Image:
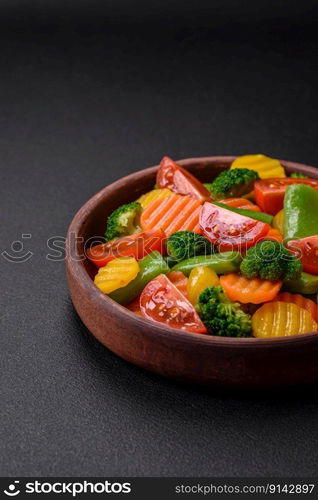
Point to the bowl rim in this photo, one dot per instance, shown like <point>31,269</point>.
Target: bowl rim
<point>77,266</point>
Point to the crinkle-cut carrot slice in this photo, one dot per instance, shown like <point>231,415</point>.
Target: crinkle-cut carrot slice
<point>174,213</point>
<point>279,319</point>
<point>299,300</point>
<point>149,197</point>
<point>244,290</point>
<point>240,203</point>
<point>179,280</point>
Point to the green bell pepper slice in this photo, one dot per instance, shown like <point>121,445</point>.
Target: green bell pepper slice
<point>261,216</point>
<point>149,267</point>
<point>221,263</point>
<point>300,212</point>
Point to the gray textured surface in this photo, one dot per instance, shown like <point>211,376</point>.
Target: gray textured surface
<point>87,96</point>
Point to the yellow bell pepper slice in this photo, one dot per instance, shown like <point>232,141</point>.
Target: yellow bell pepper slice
<point>278,221</point>
<point>265,166</point>
<point>281,319</point>
<point>116,274</point>
<point>200,278</point>
<point>147,198</point>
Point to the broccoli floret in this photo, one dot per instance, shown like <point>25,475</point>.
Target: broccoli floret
<point>184,244</point>
<point>123,221</point>
<point>221,316</point>
<point>270,260</point>
<point>233,183</point>
<point>299,175</point>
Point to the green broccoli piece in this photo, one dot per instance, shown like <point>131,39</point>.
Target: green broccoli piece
<point>123,221</point>
<point>299,175</point>
<point>270,260</point>
<point>221,316</point>
<point>233,183</point>
<point>184,244</point>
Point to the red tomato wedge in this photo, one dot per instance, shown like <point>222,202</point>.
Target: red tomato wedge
<point>306,249</point>
<point>240,203</point>
<point>230,230</point>
<point>162,302</point>
<point>172,176</point>
<point>171,214</point>
<point>137,245</point>
<point>269,193</point>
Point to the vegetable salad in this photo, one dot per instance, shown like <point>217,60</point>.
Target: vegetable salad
<point>236,257</point>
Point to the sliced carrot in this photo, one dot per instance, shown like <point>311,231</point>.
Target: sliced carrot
<point>241,289</point>
<point>274,235</point>
<point>174,213</point>
<point>299,300</point>
<point>240,203</point>
<point>179,280</point>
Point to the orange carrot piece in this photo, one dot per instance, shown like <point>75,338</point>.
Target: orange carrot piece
<point>244,290</point>
<point>179,280</point>
<point>172,214</point>
<point>299,300</point>
<point>274,235</point>
<point>240,203</point>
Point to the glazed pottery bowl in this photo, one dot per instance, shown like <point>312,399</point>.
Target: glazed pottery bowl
<point>213,360</point>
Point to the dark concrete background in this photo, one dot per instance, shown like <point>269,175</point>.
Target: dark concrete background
<point>90,91</point>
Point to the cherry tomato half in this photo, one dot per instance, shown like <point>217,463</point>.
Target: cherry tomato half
<point>137,245</point>
<point>306,249</point>
<point>230,230</point>
<point>172,176</point>
<point>162,302</point>
<point>269,193</point>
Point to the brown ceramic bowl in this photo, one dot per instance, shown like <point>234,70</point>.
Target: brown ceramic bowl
<point>180,355</point>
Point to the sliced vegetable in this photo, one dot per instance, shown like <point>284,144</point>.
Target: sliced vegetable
<point>221,263</point>
<point>300,212</point>
<point>221,316</point>
<point>172,214</point>
<point>274,235</point>
<point>233,183</point>
<point>123,221</point>
<point>279,319</point>
<point>306,284</point>
<point>162,302</point>
<point>306,249</point>
<point>185,244</point>
<point>149,267</point>
<point>137,245</point>
<point>278,221</point>
<point>177,179</point>
<point>254,290</point>
<point>300,301</point>
<point>265,166</point>
<point>229,230</point>
<point>180,281</point>
<point>134,306</point>
<point>116,274</point>
<point>257,215</point>
<point>200,278</point>
<point>240,203</point>
<point>147,198</point>
<point>269,260</point>
<point>269,193</point>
